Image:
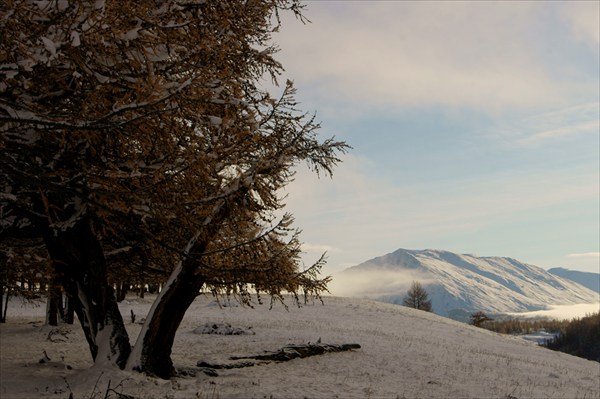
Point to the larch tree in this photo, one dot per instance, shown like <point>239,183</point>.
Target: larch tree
<point>417,297</point>
<point>140,127</point>
<point>479,318</point>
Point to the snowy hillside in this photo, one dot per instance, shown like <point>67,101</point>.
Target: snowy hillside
<point>404,353</point>
<point>589,280</point>
<point>461,284</point>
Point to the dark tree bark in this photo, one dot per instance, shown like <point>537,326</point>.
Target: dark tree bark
<point>60,304</point>
<point>118,291</point>
<point>152,288</point>
<point>69,311</point>
<point>52,306</point>
<point>3,308</point>
<point>158,334</point>
<point>122,288</point>
<point>142,280</point>
<point>79,262</point>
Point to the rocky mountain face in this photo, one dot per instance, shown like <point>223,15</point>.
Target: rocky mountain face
<point>459,284</point>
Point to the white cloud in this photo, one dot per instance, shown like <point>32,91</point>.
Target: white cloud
<point>556,124</point>
<point>313,253</point>
<point>584,261</point>
<point>376,283</point>
<point>319,248</point>
<point>586,255</point>
<point>474,54</point>
<point>584,127</point>
<point>584,17</point>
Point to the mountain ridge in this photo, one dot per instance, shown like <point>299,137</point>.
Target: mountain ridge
<point>587,279</point>
<point>459,284</point>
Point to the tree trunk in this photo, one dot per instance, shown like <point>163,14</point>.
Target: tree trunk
<point>5,306</point>
<point>60,303</point>
<point>69,312</point>
<point>144,263</point>
<point>80,265</point>
<point>52,303</point>
<point>2,309</point>
<point>152,351</point>
<point>122,288</point>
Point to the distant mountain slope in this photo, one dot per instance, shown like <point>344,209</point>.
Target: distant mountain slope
<point>589,280</point>
<point>461,284</point>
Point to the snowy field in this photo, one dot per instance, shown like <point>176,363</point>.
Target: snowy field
<point>405,354</point>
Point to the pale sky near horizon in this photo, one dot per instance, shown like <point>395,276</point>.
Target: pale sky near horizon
<point>474,126</point>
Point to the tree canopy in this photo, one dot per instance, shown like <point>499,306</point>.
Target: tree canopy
<point>141,128</point>
<point>417,297</point>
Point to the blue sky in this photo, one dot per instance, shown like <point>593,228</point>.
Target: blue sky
<point>474,127</point>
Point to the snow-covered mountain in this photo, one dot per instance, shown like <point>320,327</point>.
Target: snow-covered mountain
<point>461,284</point>
<point>589,280</point>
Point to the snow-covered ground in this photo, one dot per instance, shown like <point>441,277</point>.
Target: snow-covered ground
<point>405,354</point>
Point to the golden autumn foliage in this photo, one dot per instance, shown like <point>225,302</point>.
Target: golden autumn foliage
<point>147,115</point>
<point>143,124</point>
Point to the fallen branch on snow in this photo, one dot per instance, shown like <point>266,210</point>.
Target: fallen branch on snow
<point>290,352</point>
<point>284,354</point>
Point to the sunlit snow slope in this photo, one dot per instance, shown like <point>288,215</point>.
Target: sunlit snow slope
<point>460,284</point>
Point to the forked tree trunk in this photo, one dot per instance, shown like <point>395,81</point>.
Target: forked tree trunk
<point>152,351</point>
<point>81,268</point>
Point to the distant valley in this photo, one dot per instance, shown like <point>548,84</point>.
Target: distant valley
<point>459,284</point>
